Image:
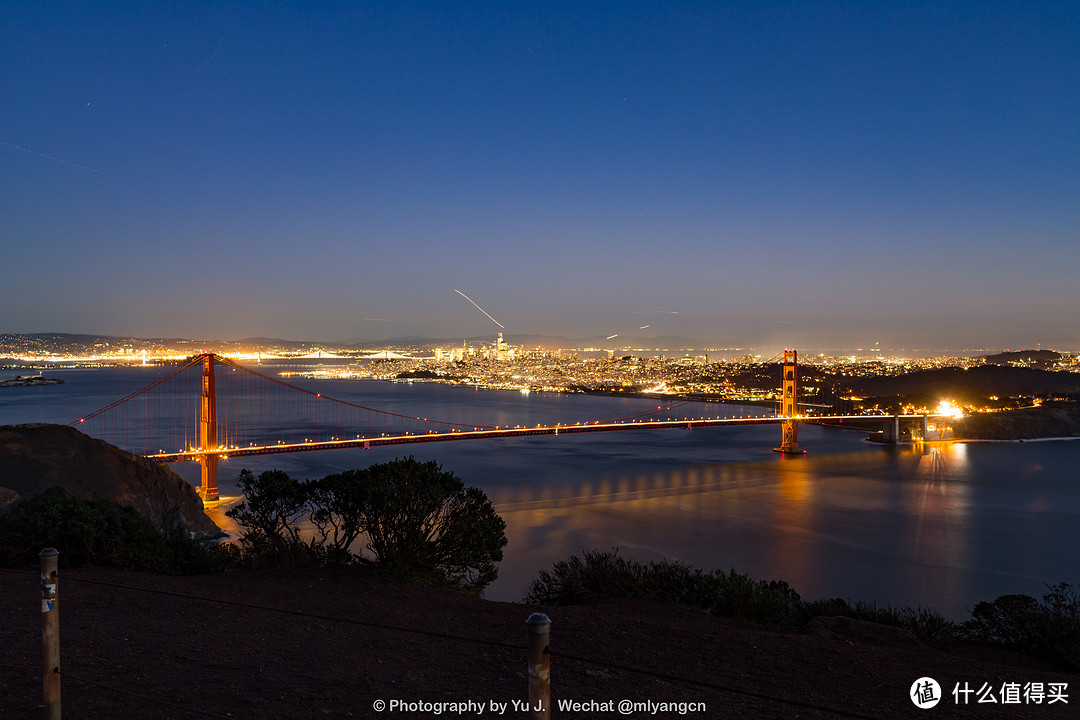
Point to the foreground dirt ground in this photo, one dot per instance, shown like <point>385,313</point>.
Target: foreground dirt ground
<point>332,643</point>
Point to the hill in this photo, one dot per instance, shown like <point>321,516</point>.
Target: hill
<point>971,384</point>
<point>37,457</point>
<point>1029,358</point>
<point>1050,420</point>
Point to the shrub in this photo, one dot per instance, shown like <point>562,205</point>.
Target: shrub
<point>924,623</point>
<point>729,594</point>
<point>420,520</point>
<point>337,513</point>
<point>756,601</point>
<point>273,507</point>
<point>607,574</point>
<point>98,532</point>
<point>1049,629</point>
<point>577,580</point>
<point>930,626</point>
<point>414,518</point>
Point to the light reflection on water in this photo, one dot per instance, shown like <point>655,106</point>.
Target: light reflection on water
<point>944,525</point>
<point>908,525</point>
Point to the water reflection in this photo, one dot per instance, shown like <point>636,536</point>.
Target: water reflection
<point>940,524</point>
<point>945,524</point>
<point>937,506</point>
<point>887,525</point>
<point>714,516</point>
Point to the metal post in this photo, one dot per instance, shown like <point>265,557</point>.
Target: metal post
<point>539,666</point>
<point>50,633</point>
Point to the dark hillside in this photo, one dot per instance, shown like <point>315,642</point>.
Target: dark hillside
<point>1047,421</point>
<point>971,384</point>
<point>35,458</point>
<point>1037,358</point>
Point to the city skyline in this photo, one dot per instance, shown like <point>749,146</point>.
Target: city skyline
<point>748,174</point>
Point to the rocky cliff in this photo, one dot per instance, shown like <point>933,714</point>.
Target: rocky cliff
<point>34,458</point>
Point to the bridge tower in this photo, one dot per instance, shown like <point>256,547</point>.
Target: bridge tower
<point>789,405</point>
<point>208,435</point>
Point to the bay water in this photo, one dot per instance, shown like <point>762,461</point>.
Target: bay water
<point>942,525</point>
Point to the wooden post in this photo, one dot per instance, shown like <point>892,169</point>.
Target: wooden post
<point>539,666</point>
<point>50,633</point>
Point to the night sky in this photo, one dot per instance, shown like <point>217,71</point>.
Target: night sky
<point>808,174</point>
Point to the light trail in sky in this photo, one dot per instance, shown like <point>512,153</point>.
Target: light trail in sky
<point>199,69</point>
<point>50,157</point>
<point>612,336</point>
<point>480,309</point>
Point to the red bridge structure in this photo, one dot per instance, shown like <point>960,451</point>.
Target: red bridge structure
<point>163,422</point>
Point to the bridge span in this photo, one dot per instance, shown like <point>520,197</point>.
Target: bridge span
<point>213,408</point>
<point>521,431</point>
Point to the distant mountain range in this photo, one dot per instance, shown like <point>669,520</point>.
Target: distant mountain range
<point>1031,358</point>
<point>12,344</point>
<point>19,343</point>
<point>541,341</point>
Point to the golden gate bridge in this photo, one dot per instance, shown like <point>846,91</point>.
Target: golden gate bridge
<point>213,408</point>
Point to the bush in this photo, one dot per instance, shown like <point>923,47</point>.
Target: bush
<point>337,513</point>
<point>1049,629</point>
<point>607,574</point>
<point>415,518</point>
<point>274,505</point>
<point>98,532</point>
<point>756,601</point>
<point>727,594</point>
<point>577,580</point>
<point>420,519</point>
<point>924,623</point>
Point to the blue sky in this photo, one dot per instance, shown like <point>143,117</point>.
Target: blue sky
<point>805,174</point>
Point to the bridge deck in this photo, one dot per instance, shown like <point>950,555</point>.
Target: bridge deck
<point>518,431</point>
